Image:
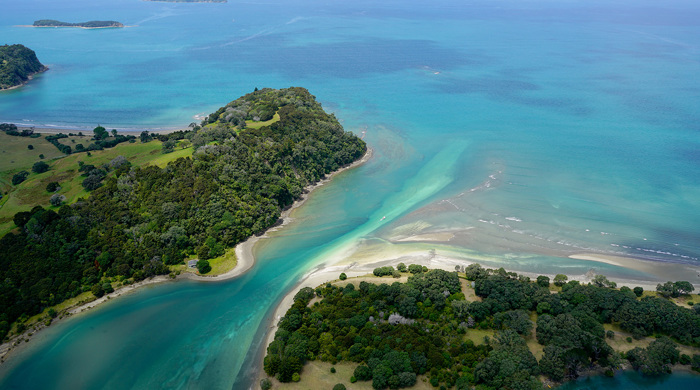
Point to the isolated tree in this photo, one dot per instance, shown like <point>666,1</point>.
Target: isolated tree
<point>97,290</point>
<point>602,281</point>
<point>19,177</point>
<point>40,167</point>
<point>100,133</point>
<point>666,290</point>
<point>203,266</point>
<point>638,291</point>
<point>168,146</point>
<point>53,186</point>
<point>145,137</point>
<point>683,287</point>
<point>560,280</point>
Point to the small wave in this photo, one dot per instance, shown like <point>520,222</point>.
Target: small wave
<point>514,219</point>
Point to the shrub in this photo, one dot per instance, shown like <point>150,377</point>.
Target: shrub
<point>339,386</point>
<point>610,334</point>
<point>343,276</point>
<point>296,377</point>
<point>332,370</point>
<point>97,290</point>
<point>684,360</point>
<point>19,177</point>
<point>638,291</point>
<point>30,147</point>
<point>265,384</point>
<point>57,199</point>
<point>203,266</point>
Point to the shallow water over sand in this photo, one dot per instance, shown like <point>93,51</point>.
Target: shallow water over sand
<point>514,134</point>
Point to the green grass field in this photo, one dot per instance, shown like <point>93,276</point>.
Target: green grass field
<point>16,156</point>
<point>257,125</point>
<point>317,375</point>
<point>64,170</point>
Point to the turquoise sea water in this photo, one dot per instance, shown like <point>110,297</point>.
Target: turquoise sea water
<point>528,130</point>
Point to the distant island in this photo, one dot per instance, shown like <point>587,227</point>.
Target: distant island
<point>90,24</point>
<point>189,1</point>
<point>17,66</point>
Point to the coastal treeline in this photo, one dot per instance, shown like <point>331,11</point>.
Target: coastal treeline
<point>397,331</point>
<point>17,64</point>
<point>138,220</point>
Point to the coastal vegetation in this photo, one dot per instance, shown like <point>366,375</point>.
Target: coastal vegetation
<point>512,333</point>
<point>64,176</point>
<point>90,24</point>
<point>134,221</point>
<point>17,65</point>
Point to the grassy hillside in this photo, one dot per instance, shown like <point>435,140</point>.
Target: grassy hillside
<point>64,170</point>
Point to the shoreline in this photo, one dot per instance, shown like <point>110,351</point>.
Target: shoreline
<point>30,77</point>
<point>244,262</point>
<point>244,251</point>
<point>330,272</point>
<point>57,130</point>
<point>17,342</point>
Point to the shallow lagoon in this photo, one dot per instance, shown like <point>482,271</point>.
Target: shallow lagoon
<point>528,131</point>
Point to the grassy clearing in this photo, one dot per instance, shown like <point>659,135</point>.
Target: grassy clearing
<point>468,291</point>
<point>258,124</point>
<point>61,307</point>
<point>219,265</point>
<point>16,156</point>
<point>223,264</point>
<point>64,170</point>
<point>477,335</point>
<point>317,375</point>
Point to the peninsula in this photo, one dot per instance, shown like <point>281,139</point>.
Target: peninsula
<point>247,162</point>
<point>90,24</point>
<point>17,66</point>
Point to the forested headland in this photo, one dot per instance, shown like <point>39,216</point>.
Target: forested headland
<point>90,24</point>
<point>17,64</point>
<point>138,220</point>
<point>512,333</point>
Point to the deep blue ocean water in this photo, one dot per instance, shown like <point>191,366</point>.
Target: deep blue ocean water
<point>531,130</point>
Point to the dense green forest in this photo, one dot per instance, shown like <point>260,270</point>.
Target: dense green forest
<point>17,64</point>
<point>396,332</point>
<point>138,220</point>
<point>90,24</point>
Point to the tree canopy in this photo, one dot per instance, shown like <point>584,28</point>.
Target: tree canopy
<point>146,218</point>
<point>17,64</point>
